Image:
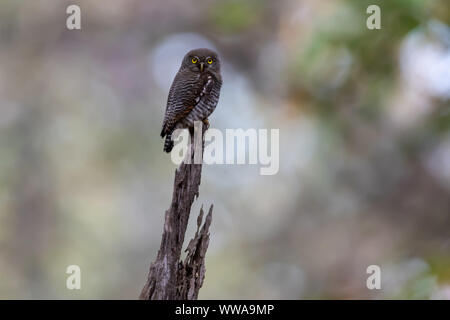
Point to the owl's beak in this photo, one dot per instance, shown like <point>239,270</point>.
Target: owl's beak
<point>201,66</point>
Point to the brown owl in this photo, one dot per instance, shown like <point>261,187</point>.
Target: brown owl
<point>194,93</point>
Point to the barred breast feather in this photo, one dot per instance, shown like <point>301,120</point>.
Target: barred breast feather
<point>192,97</point>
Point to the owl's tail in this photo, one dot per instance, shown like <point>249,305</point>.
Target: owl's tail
<point>168,143</point>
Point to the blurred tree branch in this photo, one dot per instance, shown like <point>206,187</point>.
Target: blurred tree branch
<point>169,277</point>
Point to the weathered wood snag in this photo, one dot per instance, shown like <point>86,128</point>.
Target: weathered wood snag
<point>169,277</point>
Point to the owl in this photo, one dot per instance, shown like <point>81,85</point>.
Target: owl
<point>194,93</point>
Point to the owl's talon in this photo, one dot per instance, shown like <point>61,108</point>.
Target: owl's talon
<point>206,123</point>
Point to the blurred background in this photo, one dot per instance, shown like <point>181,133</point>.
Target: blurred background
<point>364,121</point>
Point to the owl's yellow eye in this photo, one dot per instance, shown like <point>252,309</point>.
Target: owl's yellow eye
<point>194,60</point>
<point>209,61</point>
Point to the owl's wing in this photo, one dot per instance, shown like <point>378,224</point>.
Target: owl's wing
<point>184,95</point>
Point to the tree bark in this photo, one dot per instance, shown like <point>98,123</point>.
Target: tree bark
<point>169,277</point>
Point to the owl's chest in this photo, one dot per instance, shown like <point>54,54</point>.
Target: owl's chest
<point>206,98</point>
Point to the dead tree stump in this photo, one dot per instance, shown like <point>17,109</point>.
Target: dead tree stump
<point>169,277</point>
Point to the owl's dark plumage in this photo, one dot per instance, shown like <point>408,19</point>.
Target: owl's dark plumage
<point>194,93</point>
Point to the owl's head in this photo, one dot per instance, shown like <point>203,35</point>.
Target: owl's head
<point>200,60</point>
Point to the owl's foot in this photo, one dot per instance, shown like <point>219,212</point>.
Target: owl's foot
<point>206,123</point>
